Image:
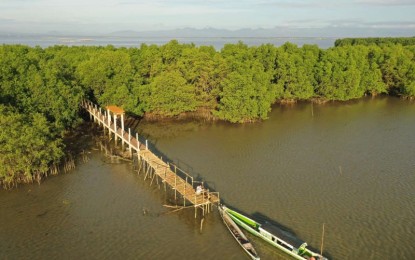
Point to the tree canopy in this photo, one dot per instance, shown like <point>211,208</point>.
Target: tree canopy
<point>375,41</point>
<point>41,88</point>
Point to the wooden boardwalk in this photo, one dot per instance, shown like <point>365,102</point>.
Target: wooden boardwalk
<point>152,166</point>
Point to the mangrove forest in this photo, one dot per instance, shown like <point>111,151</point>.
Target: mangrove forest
<point>41,88</point>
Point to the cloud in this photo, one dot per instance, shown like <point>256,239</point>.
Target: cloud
<point>299,4</point>
<point>386,2</point>
<point>177,8</point>
<point>6,20</point>
<point>107,15</point>
<point>348,23</point>
<point>392,24</point>
<point>357,23</point>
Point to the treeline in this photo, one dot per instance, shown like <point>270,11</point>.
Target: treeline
<point>239,83</point>
<point>404,41</point>
<point>40,89</point>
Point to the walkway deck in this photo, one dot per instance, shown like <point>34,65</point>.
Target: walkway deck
<point>181,182</point>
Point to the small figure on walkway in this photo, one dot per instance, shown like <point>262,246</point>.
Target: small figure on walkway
<point>199,190</point>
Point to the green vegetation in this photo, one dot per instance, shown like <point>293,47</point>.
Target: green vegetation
<point>28,145</point>
<point>40,89</point>
<point>39,100</point>
<point>404,41</point>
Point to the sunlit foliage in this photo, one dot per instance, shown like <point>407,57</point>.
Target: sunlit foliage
<point>40,89</point>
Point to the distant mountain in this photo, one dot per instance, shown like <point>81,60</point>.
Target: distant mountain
<point>330,32</point>
<point>276,32</point>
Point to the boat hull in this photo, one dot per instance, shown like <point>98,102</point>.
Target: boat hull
<point>254,228</point>
<point>238,235</point>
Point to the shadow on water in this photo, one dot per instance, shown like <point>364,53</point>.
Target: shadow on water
<point>261,218</point>
<point>149,135</point>
<point>181,168</point>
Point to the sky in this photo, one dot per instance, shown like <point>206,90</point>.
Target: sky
<point>106,16</point>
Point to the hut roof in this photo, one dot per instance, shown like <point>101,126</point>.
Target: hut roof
<point>115,110</point>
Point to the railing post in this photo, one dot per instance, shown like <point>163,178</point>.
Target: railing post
<point>129,140</point>
<point>165,177</point>
<point>99,117</point>
<point>184,196</point>
<point>109,122</point>
<point>103,121</point>
<point>138,142</point>
<point>95,112</point>
<point>90,112</point>
<point>146,144</point>
<point>175,182</point>
<point>115,129</point>
<point>109,118</point>
<point>122,130</point>
<point>203,196</point>
<point>122,122</point>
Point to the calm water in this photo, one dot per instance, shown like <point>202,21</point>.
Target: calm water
<point>217,42</point>
<point>350,166</point>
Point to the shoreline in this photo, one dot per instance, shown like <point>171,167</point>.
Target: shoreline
<point>206,115</point>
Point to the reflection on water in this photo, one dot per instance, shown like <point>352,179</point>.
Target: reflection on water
<point>347,165</point>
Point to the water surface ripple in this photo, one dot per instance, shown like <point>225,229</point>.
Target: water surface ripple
<point>350,166</point>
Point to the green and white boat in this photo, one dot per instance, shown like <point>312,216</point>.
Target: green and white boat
<point>276,236</point>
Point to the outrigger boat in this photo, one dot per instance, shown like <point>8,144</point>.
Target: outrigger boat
<point>275,236</point>
<point>238,234</point>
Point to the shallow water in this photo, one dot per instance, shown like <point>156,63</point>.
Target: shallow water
<point>348,165</point>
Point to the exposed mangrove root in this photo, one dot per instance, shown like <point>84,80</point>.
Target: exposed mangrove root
<point>84,156</point>
<point>53,170</point>
<point>77,143</point>
<point>69,164</point>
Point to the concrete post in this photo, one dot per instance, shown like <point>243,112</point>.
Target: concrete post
<point>122,128</point>
<point>109,122</point>
<point>129,140</point>
<point>115,129</point>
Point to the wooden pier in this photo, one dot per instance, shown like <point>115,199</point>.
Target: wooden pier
<point>149,164</point>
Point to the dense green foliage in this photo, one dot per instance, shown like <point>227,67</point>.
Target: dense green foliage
<point>40,89</point>
<point>39,98</point>
<point>375,41</point>
<point>28,144</point>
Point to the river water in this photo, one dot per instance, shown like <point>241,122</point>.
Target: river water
<point>348,165</point>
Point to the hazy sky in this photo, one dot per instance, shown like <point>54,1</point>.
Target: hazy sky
<point>104,16</point>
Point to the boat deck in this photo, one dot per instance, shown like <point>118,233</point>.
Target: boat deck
<point>282,234</point>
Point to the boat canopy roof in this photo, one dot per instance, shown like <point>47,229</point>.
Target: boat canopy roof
<point>283,235</point>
